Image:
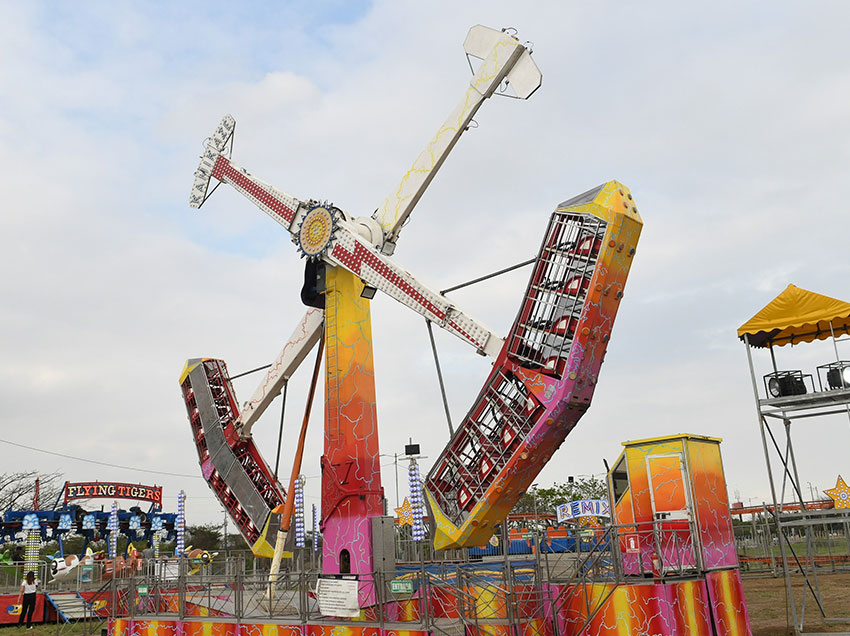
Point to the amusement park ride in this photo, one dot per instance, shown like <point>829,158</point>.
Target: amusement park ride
<point>543,377</point>
<point>544,373</point>
<point>43,525</point>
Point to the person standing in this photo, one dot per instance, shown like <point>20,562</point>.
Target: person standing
<point>27,598</point>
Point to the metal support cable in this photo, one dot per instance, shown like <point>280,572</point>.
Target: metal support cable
<point>805,575</point>
<point>265,366</point>
<point>489,276</point>
<point>280,433</point>
<point>440,377</point>
<point>788,474</point>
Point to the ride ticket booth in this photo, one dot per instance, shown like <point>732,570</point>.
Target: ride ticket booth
<point>669,499</point>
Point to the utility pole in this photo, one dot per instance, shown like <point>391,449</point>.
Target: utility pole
<point>224,538</point>
<point>395,461</point>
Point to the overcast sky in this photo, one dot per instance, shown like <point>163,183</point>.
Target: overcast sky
<point>728,121</point>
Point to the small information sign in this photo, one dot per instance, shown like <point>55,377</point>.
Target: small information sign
<point>401,586</point>
<point>337,596</point>
<point>143,590</point>
<point>632,544</point>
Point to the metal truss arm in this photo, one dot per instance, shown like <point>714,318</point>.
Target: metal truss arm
<point>503,58</point>
<point>354,253</point>
<point>348,249</point>
<point>303,339</point>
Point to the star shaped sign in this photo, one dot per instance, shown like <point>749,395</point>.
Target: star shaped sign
<point>404,514</point>
<point>840,494</point>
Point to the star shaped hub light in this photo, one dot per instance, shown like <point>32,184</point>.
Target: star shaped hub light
<point>316,231</point>
<point>404,514</point>
<point>840,494</point>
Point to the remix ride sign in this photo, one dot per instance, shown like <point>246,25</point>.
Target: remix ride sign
<point>583,508</point>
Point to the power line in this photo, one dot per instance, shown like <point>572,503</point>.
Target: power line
<point>94,461</point>
<point>138,470</point>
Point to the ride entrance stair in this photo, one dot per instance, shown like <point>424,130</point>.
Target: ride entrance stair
<point>69,605</point>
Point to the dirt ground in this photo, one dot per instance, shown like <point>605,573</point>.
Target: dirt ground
<point>767,604</point>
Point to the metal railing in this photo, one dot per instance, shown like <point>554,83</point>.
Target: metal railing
<point>440,596</point>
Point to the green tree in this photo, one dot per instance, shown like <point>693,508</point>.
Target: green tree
<point>547,500</point>
<point>206,537</point>
<point>17,489</point>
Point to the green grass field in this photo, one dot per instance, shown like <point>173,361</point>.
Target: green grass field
<point>767,604</point>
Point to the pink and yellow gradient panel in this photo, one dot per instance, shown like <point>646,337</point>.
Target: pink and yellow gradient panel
<point>351,477</point>
<point>128,627</point>
<point>345,630</point>
<point>566,398</point>
<point>727,602</point>
<point>655,475</point>
<point>639,477</point>
<point>262,629</point>
<point>676,609</point>
<point>714,522</point>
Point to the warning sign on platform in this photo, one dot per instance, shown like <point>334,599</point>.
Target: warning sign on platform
<point>632,544</point>
<point>338,596</point>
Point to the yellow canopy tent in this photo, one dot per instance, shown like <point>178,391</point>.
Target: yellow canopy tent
<point>794,316</point>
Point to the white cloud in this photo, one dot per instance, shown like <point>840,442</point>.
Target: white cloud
<point>726,123</point>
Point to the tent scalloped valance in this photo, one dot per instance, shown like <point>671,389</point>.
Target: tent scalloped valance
<point>794,316</point>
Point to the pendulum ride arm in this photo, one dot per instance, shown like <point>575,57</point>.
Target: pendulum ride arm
<point>504,58</point>
<point>345,248</point>
<point>286,513</point>
<point>361,246</point>
<point>306,335</point>
<point>544,377</point>
<point>233,467</point>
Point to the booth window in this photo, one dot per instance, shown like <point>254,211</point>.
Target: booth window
<point>619,480</point>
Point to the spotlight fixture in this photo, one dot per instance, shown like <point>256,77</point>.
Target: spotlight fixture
<point>368,292</point>
<point>785,383</point>
<point>837,375</point>
<point>411,449</point>
<point>838,378</point>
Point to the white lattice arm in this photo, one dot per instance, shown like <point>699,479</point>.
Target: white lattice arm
<point>302,340</point>
<point>503,58</point>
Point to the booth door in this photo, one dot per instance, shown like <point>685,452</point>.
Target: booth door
<point>672,512</point>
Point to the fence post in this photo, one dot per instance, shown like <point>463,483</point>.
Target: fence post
<point>302,595</point>
<point>378,583</point>
<point>424,595</point>
<point>510,609</point>
<point>617,556</point>
<point>113,609</point>
<point>131,595</point>
<point>181,589</point>
<point>238,600</point>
